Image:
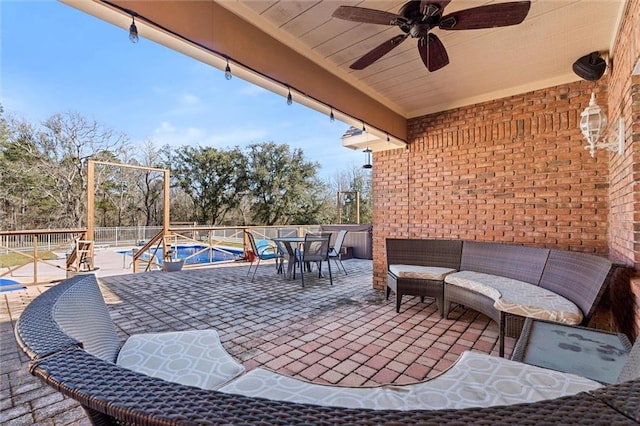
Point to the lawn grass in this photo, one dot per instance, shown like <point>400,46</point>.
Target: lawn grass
<point>14,259</point>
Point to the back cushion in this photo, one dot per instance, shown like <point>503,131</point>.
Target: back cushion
<point>510,261</point>
<point>577,276</point>
<point>82,314</point>
<point>442,253</point>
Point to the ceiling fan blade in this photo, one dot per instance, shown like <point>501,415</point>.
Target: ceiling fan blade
<point>489,16</point>
<point>432,52</point>
<point>440,3</point>
<point>369,16</point>
<point>378,52</point>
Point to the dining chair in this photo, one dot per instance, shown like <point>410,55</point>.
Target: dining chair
<point>334,251</point>
<point>284,254</point>
<point>263,250</point>
<point>314,249</point>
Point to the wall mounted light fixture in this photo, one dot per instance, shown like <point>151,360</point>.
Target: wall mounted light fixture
<point>593,123</point>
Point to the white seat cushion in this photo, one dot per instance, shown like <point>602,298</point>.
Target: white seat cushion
<point>192,358</point>
<point>420,272</point>
<point>518,297</point>
<point>475,380</point>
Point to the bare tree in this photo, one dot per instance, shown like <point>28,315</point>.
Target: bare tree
<point>66,143</point>
<point>355,179</point>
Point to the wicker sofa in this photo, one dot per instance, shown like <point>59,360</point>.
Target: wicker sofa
<point>111,394</point>
<point>505,282</point>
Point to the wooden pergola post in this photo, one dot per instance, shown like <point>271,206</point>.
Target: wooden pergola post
<point>89,235</point>
<point>90,200</point>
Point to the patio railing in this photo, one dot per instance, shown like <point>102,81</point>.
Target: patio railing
<point>63,242</point>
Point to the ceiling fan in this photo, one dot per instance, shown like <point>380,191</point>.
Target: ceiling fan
<point>418,17</point>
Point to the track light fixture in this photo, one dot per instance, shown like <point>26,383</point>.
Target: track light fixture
<point>289,97</point>
<point>133,30</point>
<point>227,71</point>
<point>332,117</point>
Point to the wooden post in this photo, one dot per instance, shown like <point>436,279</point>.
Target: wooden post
<point>35,258</point>
<point>166,220</point>
<point>166,217</point>
<point>90,200</point>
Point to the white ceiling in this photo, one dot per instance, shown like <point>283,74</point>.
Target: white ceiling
<point>484,64</point>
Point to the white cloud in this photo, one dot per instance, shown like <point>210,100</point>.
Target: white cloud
<point>250,90</point>
<point>240,137</point>
<point>186,104</point>
<point>168,134</point>
<point>189,99</point>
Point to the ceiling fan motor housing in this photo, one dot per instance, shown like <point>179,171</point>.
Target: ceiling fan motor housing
<point>417,24</point>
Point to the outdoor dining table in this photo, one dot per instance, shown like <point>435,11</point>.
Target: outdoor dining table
<point>290,244</point>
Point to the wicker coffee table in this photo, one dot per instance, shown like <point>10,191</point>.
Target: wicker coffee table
<point>595,354</point>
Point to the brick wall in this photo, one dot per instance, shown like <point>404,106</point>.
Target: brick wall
<point>512,170</point>
<point>624,190</point>
<point>515,170</point>
<point>624,102</point>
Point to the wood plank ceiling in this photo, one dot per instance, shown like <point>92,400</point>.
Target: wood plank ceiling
<point>484,64</point>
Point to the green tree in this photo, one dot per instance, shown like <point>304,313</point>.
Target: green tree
<point>284,186</point>
<point>214,179</point>
<point>22,204</point>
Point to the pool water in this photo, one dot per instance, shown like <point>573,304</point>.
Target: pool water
<point>207,256</point>
<point>7,285</point>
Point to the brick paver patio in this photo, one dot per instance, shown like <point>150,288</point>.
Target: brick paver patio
<point>344,334</point>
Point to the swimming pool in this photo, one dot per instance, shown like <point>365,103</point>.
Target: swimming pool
<point>195,254</point>
<point>9,285</point>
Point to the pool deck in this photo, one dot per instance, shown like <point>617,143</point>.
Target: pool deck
<point>345,334</point>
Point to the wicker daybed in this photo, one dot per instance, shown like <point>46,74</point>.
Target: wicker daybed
<point>111,394</point>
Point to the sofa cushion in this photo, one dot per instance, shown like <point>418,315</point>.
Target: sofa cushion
<point>420,272</point>
<point>475,380</point>
<point>518,297</point>
<point>192,358</point>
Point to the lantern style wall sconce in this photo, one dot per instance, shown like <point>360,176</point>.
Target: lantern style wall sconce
<point>593,123</point>
<point>367,163</point>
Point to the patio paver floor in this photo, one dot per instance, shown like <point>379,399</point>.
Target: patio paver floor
<point>345,334</point>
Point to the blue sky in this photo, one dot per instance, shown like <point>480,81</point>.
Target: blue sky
<point>58,59</point>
